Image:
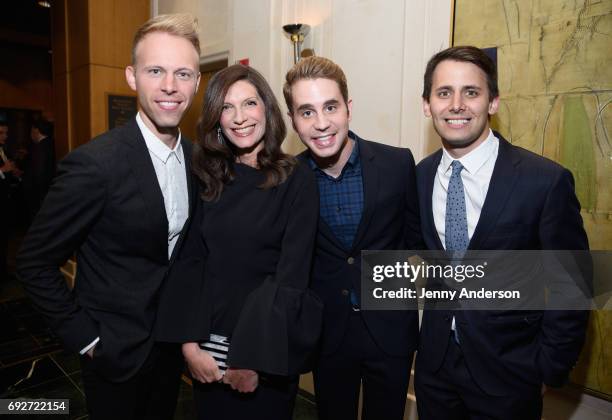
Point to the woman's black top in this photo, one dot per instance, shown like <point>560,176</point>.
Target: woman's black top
<point>243,271</point>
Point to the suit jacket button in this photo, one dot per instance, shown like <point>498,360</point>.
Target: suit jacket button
<point>345,292</point>
<point>350,260</point>
<point>447,317</point>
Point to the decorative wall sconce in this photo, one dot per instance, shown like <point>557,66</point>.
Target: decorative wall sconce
<point>296,32</point>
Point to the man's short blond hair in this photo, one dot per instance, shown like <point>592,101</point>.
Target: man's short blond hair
<point>183,25</point>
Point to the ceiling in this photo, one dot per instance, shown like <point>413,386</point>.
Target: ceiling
<point>24,22</point>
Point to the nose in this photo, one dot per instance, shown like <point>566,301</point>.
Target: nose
<point>321,123</point>
<point>239,116</point>
<point>169,83</point>
<point>457,104</point>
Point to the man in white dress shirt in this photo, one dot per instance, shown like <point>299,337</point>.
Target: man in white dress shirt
<point>121,202</point>
<point>479,192</point>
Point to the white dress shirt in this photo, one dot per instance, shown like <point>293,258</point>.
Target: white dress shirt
<point>171,174</point>
<point>476,176</point>
<point>169,165</point>
<point>4,159</point>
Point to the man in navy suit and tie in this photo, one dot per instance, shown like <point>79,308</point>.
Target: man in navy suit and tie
<point>367,201</point>
<point>479,192</point>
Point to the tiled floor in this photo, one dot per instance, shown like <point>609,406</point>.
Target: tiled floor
<point>33,365</point>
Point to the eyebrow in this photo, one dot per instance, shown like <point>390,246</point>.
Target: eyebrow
<point>157,66</point>
<point>242,101</point>
<point>310,106</point>
<point>447,87</point>
<point>304,107</point>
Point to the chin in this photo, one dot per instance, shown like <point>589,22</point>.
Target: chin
<point>167,122</point>
<point>461,142</point>
<point>323,153</point>
<point>244,144</point>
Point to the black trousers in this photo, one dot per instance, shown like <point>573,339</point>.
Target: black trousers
<point>451,394</point>
<point>8,221</point>
<point>273,399</point>
<point>359,360</point>
<point>149,395</point>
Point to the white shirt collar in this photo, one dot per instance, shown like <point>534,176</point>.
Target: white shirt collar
<point>475,159</point>
<point>155,145</point>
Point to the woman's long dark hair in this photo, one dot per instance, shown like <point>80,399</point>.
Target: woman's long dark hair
<point>213,161</point>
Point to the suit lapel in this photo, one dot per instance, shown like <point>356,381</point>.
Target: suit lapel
<point>326,231</point>
<point>191,196</point>
<point>501,186</point>
<point>370,178</point>
<point>191,187</point>
<point>144,175</point>
<point>430,177</point>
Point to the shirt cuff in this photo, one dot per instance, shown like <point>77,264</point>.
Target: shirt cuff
<point>90,346</point>
<point>2,175</point>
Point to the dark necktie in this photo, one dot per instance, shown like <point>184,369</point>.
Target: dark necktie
<point>456,232</point>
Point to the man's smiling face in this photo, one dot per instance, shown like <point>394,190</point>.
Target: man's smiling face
<point>165,76</point>
<point>460,105</point>
<point>320,116</point>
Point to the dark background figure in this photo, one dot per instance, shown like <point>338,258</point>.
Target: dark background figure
<point>40,166</point>
<point>10,179</point>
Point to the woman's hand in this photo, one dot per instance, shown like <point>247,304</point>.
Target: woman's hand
<point>202,366</point>
<point>241,380</point>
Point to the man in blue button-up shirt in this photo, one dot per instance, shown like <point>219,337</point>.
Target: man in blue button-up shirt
<point>367,201</point>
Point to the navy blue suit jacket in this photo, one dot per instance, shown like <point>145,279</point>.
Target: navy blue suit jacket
<point>530,205</point>
<point>390,221</point>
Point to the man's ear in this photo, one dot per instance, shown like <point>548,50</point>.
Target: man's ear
<point>426,108</point>
<point>130,77</point>
<point>198,82</point>
<point>349,109</point>
<point>494,105</point>
<point>290,114</point>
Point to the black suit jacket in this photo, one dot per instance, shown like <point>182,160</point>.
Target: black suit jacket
<point>8,185</point>
<point>39,172</point>
<point>105,204</point>
<point>530,205</point>
<point>390,220</point>
<point>9,181</point>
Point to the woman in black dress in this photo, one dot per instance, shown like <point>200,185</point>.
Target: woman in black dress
<point>242,274</point>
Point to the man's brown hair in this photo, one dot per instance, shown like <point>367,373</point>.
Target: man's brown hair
<point>465,54</point>
<point>314,68</point>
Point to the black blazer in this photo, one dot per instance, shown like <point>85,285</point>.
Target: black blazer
<point>390,220</point>
<point>40,168</point>
<point>530,205</point>
<point>106,205</point>
<point>7,183</point>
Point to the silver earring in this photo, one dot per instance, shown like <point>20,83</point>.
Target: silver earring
<point>219,136</point>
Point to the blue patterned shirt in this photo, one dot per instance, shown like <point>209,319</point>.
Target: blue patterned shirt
<point>341,199</point>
